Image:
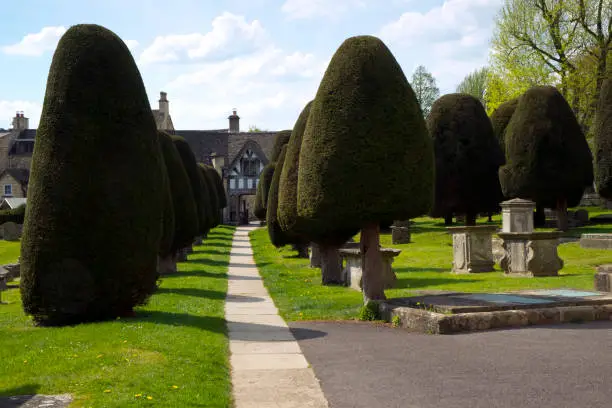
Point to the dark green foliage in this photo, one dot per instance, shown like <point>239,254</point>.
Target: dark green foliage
<point>209,203</point>
<point>263,187</point>
<point>195,178</point>
<point>185,210</point>
<point>94,215</point>
<point>370,312</point>
<point>500,119</point>
<point>547,156</point>
<point>277,236</point>
<point>213,199</point>
<point>15,215</point>
<point>168,223</point>
<point>218,185</point>
<point>281,139</point>
<point>603,141</point>
<point>366,155</point>
<point>287,195</point>
<point>467,156</point>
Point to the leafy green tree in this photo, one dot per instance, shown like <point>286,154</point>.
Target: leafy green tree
<point>425,88</point>
<point>548,158</point>
<point>467,155</point>
<point>475,84</point>
<point>89,248</point>
<point>366,155</point>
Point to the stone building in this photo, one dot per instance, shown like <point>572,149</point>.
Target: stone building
<point>238,156</point>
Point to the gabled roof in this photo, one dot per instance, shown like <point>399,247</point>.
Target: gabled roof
<point>252,145</point>
<point>21,175</point>
<point>265,141</point>
<point>13,202</point>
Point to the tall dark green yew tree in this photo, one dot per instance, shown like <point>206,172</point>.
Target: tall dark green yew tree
<point>467,157</point>
<point>213,200</point>
<point>500,119</point>
<point>89,248</point>
<point>277,235</point>
<point>263,188</point>
<point>366,155</point>
<point>603,141</point>
<point>548,159</point>
<point>280,140</point>
<point>185,212</point>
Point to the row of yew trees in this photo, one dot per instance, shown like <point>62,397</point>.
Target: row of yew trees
<point>361,155</point>
<point>112,201</point>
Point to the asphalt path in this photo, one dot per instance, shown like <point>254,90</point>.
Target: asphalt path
<point>368,365</point>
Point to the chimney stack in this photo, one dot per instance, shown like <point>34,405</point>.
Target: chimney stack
<point>234,122</point>
<point>164,104</point>
<point>20,122</point>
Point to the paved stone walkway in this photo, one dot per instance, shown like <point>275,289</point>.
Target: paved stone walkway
<point>268,367</point>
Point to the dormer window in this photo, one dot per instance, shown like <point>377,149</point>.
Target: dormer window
<point>249,164</point>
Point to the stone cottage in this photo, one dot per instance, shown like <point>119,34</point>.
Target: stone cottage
<point>238,156</point>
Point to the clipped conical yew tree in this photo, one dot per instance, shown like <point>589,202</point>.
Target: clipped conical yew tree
<point>195,179</point>
<point>603,141</point>
<point>277,235</point>
<point>213,200</point>
<point>366,155</point>
<point>263,188</point>
<point>548,159</point>
<point>500,119</point>
<point>89,248</point>
<point>280,140</point>
<point>218,184</point>
<point>467,156</point>
<point>168,222</point>
<point>185,212</point>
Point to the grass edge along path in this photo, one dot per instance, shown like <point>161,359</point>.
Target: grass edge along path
<point>174,353</point>
<point>424,264</point>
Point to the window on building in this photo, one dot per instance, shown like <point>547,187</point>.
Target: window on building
<point>250,183</point>
<point>240,183</point>
<point>232,183</point>
<point>249,167</point>
<point>8,189</point>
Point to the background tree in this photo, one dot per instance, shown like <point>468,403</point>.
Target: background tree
<point>348,182</point>
<point>89,179</point>
<point>211,190</point>
<point>275,232</point>
<point>475,84</point>
<point>603,141</point>
<point>467,157</point>
<point>263,187</point>
<point>219,190</point>
<point>548,159</point>
<point>425,88</point>
<point>500,119</point>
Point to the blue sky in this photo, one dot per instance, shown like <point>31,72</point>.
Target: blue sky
<point>263,57</point>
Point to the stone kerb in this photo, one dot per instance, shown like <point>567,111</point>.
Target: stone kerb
<point>531,254</point>
<point>596,241</point>
<point>352,269</point>
<point>472,248</point>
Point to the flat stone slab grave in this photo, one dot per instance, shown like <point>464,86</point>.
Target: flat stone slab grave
<point>458,312</point>
<point>34,401</point>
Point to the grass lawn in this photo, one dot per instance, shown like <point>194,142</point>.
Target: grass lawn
<point>174,353</point>
<point>424,264</point>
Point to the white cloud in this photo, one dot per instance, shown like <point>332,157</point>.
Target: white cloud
<point>298,9</point>
<point>36,44</point>
<point>30,109</point>
<point>132,44</point>
<point>450,40</point>
<point>231,35</point>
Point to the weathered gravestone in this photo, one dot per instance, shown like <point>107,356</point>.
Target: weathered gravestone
<point>315,255</point>
<point>603,281</point>
<point>400,232</point>
<point>10,231</point>
<point>472,248</point>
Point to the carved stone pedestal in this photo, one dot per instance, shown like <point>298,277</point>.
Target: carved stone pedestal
<point>472,248</point>
<point>603,278</point>
<point>531,253</point>
<point>353,271</point>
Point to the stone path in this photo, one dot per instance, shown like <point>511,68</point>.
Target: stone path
<point>268,367</point>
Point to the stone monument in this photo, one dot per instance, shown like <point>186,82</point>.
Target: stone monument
<point>353,271</point>
<point>472,248</point>
<point>527,253</point>
<point>603,283</point>
<point>400,232</point>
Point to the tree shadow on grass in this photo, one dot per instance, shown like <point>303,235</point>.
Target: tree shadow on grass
<point>413,283</point>
<point>208,323</point>
<point>26,389</point>
<point>203,293</point>
<point>402,269</point>
<point>209,262</point>
<point>202,274</point>
<point>211,251</point>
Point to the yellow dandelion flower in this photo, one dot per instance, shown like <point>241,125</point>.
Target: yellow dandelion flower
<point>107,391</point>
<point>125,341</point>
<point>149,397</point>
<point>25,361</point>
<point>175,386</point>
<point>99,355</point>
<point>138,395</point>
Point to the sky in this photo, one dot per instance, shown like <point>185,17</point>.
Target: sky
<point>264,58</point>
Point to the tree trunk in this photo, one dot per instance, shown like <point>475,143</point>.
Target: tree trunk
<point>180,256</point>
<point>372,281</point>
<point>331,265</point>
<point>188,249</point>
<point>562,223</point>
<point>197,241</point>
<point>302,250</point>
<point>315,255</point>
<point>167,265</point>
<point>490,217</point>
<point>470,219</point>
<point>539,217</point>
<point>448,219</point>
